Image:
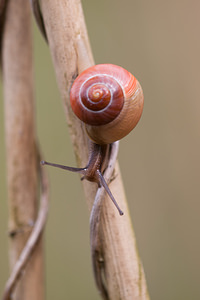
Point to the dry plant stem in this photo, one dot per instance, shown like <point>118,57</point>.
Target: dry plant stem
<point>110,250</point>
<point>121,268</point>
<point>3,5</point>
<point>38,16</point>
<point>32,242</point>
<point>95,226</point>
<point>21,149</point>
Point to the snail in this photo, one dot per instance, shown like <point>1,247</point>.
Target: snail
<point>109,100</point>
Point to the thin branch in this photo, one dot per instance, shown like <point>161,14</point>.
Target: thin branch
<point>32,242</point>
<point>22,156</point>
<point>96,242</point>
<point>3,5</point>
<point>38,17</point>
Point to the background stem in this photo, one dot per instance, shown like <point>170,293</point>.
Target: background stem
<point>21,149</point>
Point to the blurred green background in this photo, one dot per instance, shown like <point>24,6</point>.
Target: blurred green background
<point>159,42</point>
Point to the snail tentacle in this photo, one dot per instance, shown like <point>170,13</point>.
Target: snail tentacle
<point>92,171</point>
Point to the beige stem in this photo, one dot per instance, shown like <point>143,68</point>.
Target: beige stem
<point>21,151</point>
<point>71,53</point>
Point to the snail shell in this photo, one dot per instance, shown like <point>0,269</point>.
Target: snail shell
<point>109,100</point>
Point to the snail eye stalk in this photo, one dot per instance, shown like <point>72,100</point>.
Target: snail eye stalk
<point>86,172</point>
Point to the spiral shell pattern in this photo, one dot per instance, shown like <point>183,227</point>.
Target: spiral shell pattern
<point>103,96</point>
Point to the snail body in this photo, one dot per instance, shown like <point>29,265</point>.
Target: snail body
<point>109,100</point>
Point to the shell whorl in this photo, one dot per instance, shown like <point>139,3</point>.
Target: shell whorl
<point>109,100</point>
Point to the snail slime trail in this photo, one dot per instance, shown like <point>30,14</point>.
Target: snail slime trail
<point>109,100</point>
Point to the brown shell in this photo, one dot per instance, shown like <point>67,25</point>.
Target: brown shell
<point>109,100</point>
